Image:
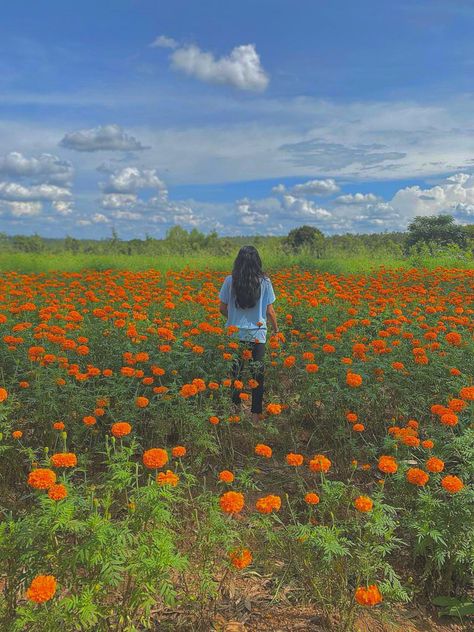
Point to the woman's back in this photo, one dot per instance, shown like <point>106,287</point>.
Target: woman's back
<point>251,321</point>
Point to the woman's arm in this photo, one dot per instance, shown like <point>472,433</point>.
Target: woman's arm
<point>223,309</point>
<point>272,317</point>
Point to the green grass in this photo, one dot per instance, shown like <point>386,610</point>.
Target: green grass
<point>36,263</point>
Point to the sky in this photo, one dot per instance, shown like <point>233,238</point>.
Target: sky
<point>249,117</point>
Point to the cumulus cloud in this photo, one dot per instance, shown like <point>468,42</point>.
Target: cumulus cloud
<point>241,68</point>
<point>298,207</point>
<point>119,200</point>
<point>250,213</point>
<point>259,213</point>
<point>63,207</point>
<point>279,189</point>
<point>124,198</point>
<point>455,194</point>
<point>130,179</point>
<point>20,209</point>
<point>162,41</point>
<point>19,193</point>
<point>45,167</point>
<point>357,198</point>
<point>317,187</point>
<point>102,138</point>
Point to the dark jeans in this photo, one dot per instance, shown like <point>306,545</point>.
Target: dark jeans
<point>256,365</point>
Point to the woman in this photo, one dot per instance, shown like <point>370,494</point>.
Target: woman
<point>247,299</point>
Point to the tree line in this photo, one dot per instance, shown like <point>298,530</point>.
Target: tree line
<point>427,232</point>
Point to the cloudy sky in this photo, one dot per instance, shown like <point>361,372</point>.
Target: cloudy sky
<point>245,117</point>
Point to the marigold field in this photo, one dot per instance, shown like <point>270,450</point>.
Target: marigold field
<point>133,496</point>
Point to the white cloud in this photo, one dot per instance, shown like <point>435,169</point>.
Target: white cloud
<point>317,187</point>
<point>448,196</point>
<point>357,198</point>
<point>241,68</point>
<point>279,189</point>
<point>21,209</point>
<point>162,41</point>
<point>119,200</point>
<point>63,207</point>
<point>99,218</point>
<point>123,197</point>
<point>18,192</point>
<point>130,179</point>
<point>46,167</point>
<point>102,138</point>
<point>298,207</point>
<point>249,214</point>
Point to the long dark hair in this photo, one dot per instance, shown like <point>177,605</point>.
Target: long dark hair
<point>247,275</point>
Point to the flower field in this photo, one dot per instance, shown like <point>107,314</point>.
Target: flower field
<point>133,495</point>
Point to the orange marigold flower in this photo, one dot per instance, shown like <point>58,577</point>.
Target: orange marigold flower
<point>269,503</point>
<point>294,459</point>
<point>178,451</point>
<point>415,476</point>
<point>155,458</point>
<point>226,476</point>
<point>398,366</point>
<point>467,392</point>
<point>363,504</point>
<point>358,427</point>
<point>457,405</point>
<point>411,441</point>
<point>263,450</point>
<point>142,402</point>
<point>17,434</point>
<point>353,379</point>
<point>240,558</point>
<point>428,444</point>
<point>369,596</point>
<point>453,338</point>
<point>188,390</point>
<point>232,502</point>
<point>387,465</point>
<point>433,464</point>
<point>41,478</point>
<point>42,588</point>
<point>121,429</point>
<point>452,484</point>
<point>311,498</point>
<point>274,409</point>
<point>88,420</point>
<point>64,459</point>
<point>58,425</point>
<point>312,368</point>
<point>319,463</point>
<point>351,417</point>
<point>3,394</point>
<point>168,478</point>
<point>449,419</point>
<point>214,420</point>
<point>57,491</point>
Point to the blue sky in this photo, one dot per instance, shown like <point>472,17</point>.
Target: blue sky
<point>245,117</point>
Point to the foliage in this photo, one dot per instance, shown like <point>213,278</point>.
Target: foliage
<point>435,229</point>
<point>369,365</point>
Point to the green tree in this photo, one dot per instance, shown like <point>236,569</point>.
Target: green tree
<point>308,238</point>
<point>435,230</point>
